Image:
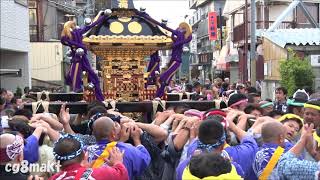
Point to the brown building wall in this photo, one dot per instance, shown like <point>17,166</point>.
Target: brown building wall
<point>273,54</point>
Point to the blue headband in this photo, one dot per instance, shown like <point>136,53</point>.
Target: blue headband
<point>73,154</point>
<point>210,147</point>
<point>114,118</point>
<point>92,119</point>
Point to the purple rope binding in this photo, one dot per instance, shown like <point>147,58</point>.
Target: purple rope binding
<point>154,65</point>
<point>175,61</point>
<point>79,61</point>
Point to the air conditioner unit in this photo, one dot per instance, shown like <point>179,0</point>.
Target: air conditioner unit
<point>315,60</point>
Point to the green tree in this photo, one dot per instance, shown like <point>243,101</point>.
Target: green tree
<point>296,73</point>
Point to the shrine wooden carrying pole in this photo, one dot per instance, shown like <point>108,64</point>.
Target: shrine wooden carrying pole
<point>142,106</point>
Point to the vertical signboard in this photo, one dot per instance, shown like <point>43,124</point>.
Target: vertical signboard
<point>193,43</point>
<point>212,26</point>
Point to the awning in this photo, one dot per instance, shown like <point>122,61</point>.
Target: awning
<point>233,55</point>
<point>231,5</point>
<point>222,64</point>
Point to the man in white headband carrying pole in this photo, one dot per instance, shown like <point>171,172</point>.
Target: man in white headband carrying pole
<point>312,115</point>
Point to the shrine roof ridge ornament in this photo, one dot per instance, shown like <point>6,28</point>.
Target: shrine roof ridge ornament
<point>125,4</point>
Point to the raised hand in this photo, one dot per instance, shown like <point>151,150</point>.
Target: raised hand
<point>85,161</point>
<point>135,134</point>
<point>307,131</point>
<point>64,114</point>
<point>194,129</point>
<point>40,125</point>
<point>116,156</point>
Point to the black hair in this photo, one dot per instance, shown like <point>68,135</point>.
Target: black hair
<point>291,108</point>
<point>180,109</point>
<point>209,164</point>
<point>251,97</point>
<point>30,96</point>
<point>26,89</point>
<point>2,101</point>
<point>95,110</point>
<point>275,113</point>
<point>67,146</point>
<point>293,119</point>
<point>219,119</point>
<point>225,86</point>
<point>207,86</point>
<point>21,126</point>
<point>269,100</point>
<point>210,130</point>
<point>233,86</point>
<point>2,90</point>
<point>251,90</point>
<point>188,87</point>
<point>14,100</point>
<point>24,112</point>
<point>252,107</point>
<point>196,84</point>
<point>283,89</point>
<point>94,104</point>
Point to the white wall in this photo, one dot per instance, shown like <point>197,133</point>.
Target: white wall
<point>46,58</point>
<point>14,43</point>
<point>14,26</point>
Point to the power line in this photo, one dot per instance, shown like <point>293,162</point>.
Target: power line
<point>48,67</point>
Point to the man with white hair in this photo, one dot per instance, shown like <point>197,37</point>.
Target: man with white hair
<point>8,98</point>
<point>11,152</point>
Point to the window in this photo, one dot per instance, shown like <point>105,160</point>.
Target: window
<point>33,21</point>
<point>32,17</point>
<point>312,8</point>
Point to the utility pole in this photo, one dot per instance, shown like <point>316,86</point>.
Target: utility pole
<point>220,25</point>
<point>253,43</point>
<point>245,64</point>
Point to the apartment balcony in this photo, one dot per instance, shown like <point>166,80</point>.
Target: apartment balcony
<point>238,31</point>
<point>67,6</point>
<point>192,4</point>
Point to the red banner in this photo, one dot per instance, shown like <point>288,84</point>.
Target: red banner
<point>212,26</point>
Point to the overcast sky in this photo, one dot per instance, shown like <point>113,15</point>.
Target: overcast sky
<point>173,10</point>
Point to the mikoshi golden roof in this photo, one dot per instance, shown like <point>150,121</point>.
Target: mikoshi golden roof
<point>126,28</point>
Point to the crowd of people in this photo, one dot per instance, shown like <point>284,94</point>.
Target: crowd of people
<point>210,90</point>
<point>247,138</point>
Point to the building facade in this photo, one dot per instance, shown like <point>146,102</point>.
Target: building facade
<point>14,45</point>
<point>266,14</point>
<point>304,42</point>
<point>46,18</point>
<point>204,51</point>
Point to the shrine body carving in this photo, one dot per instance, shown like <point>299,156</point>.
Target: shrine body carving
<point>124,38</point>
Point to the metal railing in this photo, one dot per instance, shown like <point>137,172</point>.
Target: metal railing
<point>238,31</point>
